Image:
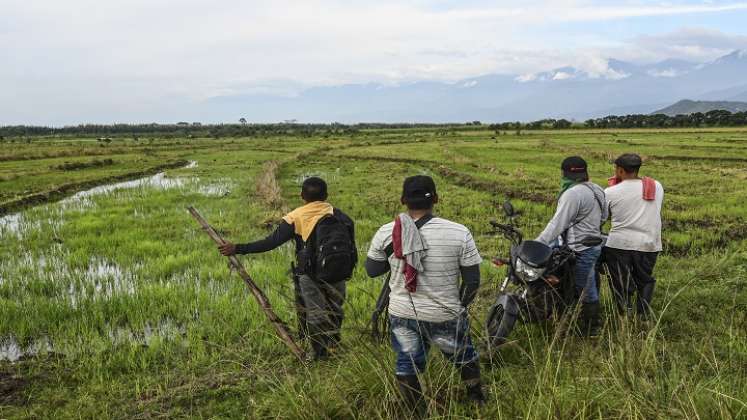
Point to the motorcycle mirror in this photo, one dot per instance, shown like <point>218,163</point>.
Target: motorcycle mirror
<point>508,209</point>
<point>591,241</point>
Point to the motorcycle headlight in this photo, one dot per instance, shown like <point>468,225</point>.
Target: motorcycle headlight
<point>526,272</point>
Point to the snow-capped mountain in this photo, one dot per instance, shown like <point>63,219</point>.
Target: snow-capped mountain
<point>565,92</point>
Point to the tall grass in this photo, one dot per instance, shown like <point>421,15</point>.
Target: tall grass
<point>130,312</point>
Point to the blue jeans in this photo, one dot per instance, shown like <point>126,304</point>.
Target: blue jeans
<point>412,339</point>
<point>586,274</point>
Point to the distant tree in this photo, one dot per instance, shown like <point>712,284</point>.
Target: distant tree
<point>242,120</point>
<point>561,124</point>
<point>534,125</point>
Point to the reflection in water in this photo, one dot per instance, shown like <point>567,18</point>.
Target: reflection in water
<point>167,329</point>
<point>100,279</point>
<point>11,223</point>
<point>12,351</point>
<point>16,223</point>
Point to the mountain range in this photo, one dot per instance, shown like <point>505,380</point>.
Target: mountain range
<point>567,92</point>
<point>686,106</point>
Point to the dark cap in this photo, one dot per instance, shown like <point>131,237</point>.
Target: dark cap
<point>575,168</point>
<point>419,190</point>
<point>631,162</point>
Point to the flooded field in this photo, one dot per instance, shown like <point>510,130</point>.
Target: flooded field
<point>114,303</point>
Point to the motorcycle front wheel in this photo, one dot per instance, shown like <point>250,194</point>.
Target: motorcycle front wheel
<point>501,319</point>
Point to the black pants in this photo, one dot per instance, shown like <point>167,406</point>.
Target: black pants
<point>322,307</point>
<point>631,273</point>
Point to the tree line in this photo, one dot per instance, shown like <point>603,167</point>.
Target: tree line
<point>182,129</point>
<point>716,118</point>
<point>197,129</point>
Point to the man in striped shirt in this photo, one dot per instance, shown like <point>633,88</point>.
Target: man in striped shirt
<point>427,255</point>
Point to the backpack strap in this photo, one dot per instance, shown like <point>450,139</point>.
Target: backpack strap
<point>594,194</point>
<point>389,250</point>
<point>601,210</point>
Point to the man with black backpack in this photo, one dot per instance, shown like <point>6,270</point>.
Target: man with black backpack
<point>580,213</point>
<point>325,258</point>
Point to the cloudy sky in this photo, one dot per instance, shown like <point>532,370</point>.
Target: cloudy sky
<point>72,61</point>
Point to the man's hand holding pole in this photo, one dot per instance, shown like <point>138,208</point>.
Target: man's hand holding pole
<point>229,249</point>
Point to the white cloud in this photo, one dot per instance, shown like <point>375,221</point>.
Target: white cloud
<point>571,11</point>
<point>529,77</point>
<point>78,60</point>
<point>664,73</point>
<point>695,44</point>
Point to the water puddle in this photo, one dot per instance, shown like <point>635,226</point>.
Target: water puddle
<point>15,223</point>
<point>12,351</point>
<point>221,188</point>
<point>100,280</point>
<point>165,330</point>
<point>158,181</point>
<point>11,223</point>
<point>74,284</point>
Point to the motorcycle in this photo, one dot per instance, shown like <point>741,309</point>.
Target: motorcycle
<point>539,284</point>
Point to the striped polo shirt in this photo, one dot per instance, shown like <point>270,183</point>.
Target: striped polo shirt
<point>450,246</point>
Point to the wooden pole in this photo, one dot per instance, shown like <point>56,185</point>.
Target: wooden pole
<point>276,322</point>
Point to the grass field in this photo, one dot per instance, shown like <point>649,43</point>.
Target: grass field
<point>115,304</point>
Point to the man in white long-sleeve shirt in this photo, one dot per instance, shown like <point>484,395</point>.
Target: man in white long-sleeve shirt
<point>580,213</point>
<point>635,236</point>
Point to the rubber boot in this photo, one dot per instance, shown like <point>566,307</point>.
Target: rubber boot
<point>412,395</point>
<point>588,320</point>
<point>318,340</point>
<point>645,295</point>
<point>470,374</point>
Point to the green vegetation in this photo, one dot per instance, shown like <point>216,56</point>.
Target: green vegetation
<point>699,115</point>
<point>116,304</point>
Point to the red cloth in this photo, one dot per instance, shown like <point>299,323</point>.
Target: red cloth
<point>649,188</point>
<point>411,274</point>
<point>648,183</point>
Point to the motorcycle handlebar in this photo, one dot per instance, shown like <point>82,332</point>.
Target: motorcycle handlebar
<point>507,230</point>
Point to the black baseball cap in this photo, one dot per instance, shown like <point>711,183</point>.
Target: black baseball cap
<point>631,162</point>
<point>419,192</point>
<point>575,168</point>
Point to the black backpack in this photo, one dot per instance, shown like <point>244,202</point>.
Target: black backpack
<point>332,251</point>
